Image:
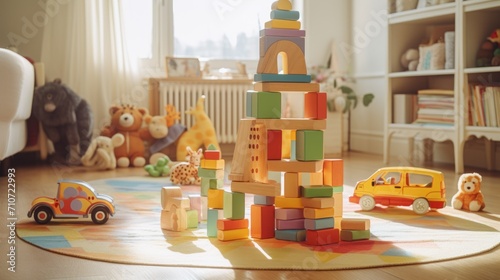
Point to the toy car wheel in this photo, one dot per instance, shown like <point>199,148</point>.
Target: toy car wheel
<point>100,215</point>
<point>367,203</point>
<point>43,215</point>
<point>420,206</point>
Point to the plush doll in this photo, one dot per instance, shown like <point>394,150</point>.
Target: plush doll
<point>186,173</point>
<point>469,196</point>
<point>66,118</point>
<point>100,153</point>
<point>127,120</point>
<point>409,59</point>
<point>160,168</point>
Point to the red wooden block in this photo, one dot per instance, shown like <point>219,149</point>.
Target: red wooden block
<point>315,105</point>
<point>274,144</point>
<point>262,221</point>
<point>323,236</point>
<point>212,154</point>
<point>227,224</point>
<point>333,172</point>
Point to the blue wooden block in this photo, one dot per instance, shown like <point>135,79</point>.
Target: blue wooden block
<point>263,200</point>
<point>213,216</point>
<point>286,15</point>
<point>282,78</point>
<point>290,234</point>
<point>315,224</point>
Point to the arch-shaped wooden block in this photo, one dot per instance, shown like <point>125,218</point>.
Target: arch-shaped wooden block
<point>294,61</point>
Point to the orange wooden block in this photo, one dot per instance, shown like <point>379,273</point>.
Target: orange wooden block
<point>262,221</point>
<point>212,154</point>
<point>274,142</point>
<point>318,213</point>
<point>318,202</point>
<point>333,172</point>
<point>355,224</point>
<point>323,236</point>
<point>288,202</point>
<point>338,204</point>
<point>292,184</point>
<point>227,224</point>
<point>315,105</point>
<point>294,165</point>
<point>216,198</point>
<point>311,178</point>
<point>235,234</point>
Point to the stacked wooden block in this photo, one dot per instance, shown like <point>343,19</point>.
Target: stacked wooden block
<point>176,214</point>
<point>355,229</point>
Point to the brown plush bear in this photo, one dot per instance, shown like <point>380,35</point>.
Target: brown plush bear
<point>127,120</point>
<point>469,196</point>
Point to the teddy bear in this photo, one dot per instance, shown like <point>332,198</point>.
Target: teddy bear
<point>66,118</point>
<point>100,153</point>
<point>409,59</point>
<point>127,119</point>
<point>469,196</point>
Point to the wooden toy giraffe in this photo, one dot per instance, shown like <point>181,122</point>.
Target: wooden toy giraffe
<point>202,133</point>
<point>186,173</point>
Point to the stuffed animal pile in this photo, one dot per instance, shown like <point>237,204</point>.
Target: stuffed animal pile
<point>469,196</point>
<point>489,51</point>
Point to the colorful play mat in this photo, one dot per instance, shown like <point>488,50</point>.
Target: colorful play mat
<point>133,236</point>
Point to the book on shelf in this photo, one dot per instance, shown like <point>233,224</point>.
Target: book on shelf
<point>436,106</point>
<point>483,102</point>
<point>404,108</point>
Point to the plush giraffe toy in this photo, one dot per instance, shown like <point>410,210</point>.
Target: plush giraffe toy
<point>186,173</point>
<point>201,133</point>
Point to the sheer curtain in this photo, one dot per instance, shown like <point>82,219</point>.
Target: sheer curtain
<point>85,45</point>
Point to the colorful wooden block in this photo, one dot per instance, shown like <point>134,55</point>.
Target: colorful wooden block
<point>290,224</point>
<point>195,204</point>
<point>285,123</point>
<point>333,172</point>
<point>205,186</point>
<point>167,192</point>
<point>227,224</point>
<point>179,202</point>
<point>316,191</point>
<point>338,208</point>
<point>322,237</point>
<point>267,189</point>
<point>339,189</point>
<point>262,221</point>
<point>315,105</point>
<point>289,214</point>
<point>192,218</point>
<point>298,235</point>
<point>274,141</point>
<point>284,5</point>
<point>211,173</point>
<point>235,234</point>
<point>234,205</point>
<point>286,142</point>
<point>355,224</point>
<point>294,166</point>
<point>215,199</point>
<point>309,145</point>
<point>267,41</point>
<point>288,87</point>
<point>241,164</point>
<point>282,78</point>
<point>212,154</point>
<point>174,219</point>
<point>353,235</point>
<point>204,208</point>
<point>326,202</point>
<point>257,147</point>
<point>210,183</point>
<point>212,163</point>
<point>283,24</point>
<point>285,15</point>
<point>291,185</point>
<point>311,178</point>
<point>263,200</point>
<point>293,150</point>
<point>318,213</point>
<point>282,32</point>
<point>288,202</point>
<point>213,216</point>
<point>266,105</point>
<point>316,224</point>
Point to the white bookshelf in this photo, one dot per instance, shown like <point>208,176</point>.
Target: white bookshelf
<point>473,21</point>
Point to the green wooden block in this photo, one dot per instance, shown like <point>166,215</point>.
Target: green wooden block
<point>212,217</point>
<point>316,191</point>
<point>234,205</point>
<point>290,234</point>
<point>204,189</point>
<point>309,145</point>
<point>316,224</point>
<point>286,15</point>
<point>352,235</point>
<point>266,105</point>
<point>282,78</point>
<point>192,218</point>
<point>210,183</point>
<point>211,173</point>
<point>338,189</point>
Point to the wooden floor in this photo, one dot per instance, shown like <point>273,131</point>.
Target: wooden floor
<point>34,263</point>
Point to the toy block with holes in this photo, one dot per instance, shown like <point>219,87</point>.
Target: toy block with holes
<point>262,221</point>
<point>322,237</point>
<point>309,145</point>
<point>315,105</point>
<point>234,205</point>
<point>274,141</point>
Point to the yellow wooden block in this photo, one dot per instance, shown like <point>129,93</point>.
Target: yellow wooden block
<point>212,164</point>
<point>355,224</point>
<point>216,198</point>
<point>319,202</point>
<point>286,143</point>
<point>292,184</point>
<point>270,188</point>
<point>284,5</point>
<point>288,202</point>
<point>338,204</point>
<point>284,24</point>
<point>337,222</point>
<point>234,234</point>
<point>318,213</point>
<point>166,192</point>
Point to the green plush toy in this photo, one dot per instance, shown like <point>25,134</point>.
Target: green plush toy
<point>161,167</point>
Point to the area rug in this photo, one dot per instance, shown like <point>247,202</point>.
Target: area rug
<point>134,236</point>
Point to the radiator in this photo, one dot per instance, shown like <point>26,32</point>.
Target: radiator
<point>224,103</point>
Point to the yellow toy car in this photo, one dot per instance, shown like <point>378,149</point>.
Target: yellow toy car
<point>402,186</point>
<point>74,199</point>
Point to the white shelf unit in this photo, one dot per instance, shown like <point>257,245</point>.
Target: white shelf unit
<point>473,21</point>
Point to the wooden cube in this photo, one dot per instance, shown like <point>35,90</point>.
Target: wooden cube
<point>322,237</point>
<point>235,234</point>
<point>274,142</point>
<point>215,199</point>
<point>210,183</point>
<point>192,218</point>
<point>262,221</point>
<point>212,163</point>
<point>227,224</point>
<point>266,105</point>
<point>170,191</point>
<point>292,184</point>
<point>333,172</point>
<point>234,205</point>
<point>315,105</point>
<point>212,154</point>
<point>288,202</point>
<point>309,145</point>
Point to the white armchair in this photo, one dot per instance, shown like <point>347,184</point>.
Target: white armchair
<point>17,81</point>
